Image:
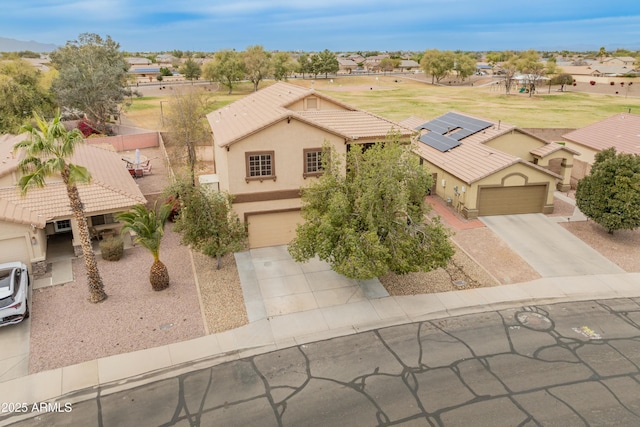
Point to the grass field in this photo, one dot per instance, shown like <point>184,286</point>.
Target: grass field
<point>397,98</point>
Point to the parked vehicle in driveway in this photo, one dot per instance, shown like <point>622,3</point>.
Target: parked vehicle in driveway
<point>14,290</point>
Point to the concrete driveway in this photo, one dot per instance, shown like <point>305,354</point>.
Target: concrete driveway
<point>548,247</point>
<point>274,284</point>
<point>14,350</point>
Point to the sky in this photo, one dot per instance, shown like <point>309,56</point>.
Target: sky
<point>337,25</point>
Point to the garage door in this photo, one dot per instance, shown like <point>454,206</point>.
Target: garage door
<point>271,229</point>
<point>15,249</point>
<point>511,200</point>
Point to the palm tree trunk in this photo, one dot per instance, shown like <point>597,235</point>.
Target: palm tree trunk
<point>96,286</point>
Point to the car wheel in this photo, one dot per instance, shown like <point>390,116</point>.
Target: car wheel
<point>26,313</point>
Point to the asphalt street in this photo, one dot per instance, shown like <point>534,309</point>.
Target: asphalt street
<point>565,364</point>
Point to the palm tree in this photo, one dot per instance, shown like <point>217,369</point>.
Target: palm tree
<point>148,225</point>
<point>47,151</point>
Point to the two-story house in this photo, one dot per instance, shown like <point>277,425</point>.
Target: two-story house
<point>268,145</point>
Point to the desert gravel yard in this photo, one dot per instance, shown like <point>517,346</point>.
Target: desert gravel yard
<point>622,247</point>
<point>67,329</point>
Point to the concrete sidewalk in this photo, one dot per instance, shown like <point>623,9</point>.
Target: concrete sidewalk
<point>74,383</point>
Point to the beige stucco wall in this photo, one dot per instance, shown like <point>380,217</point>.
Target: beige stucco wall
<point>321,104</point>
<point>516,144</point>
<point>520,174</point>
<point>271,205</point>
<point>287,140</point>
<point>35,248</point>
<point>587,155</point>
<point>514,175</point>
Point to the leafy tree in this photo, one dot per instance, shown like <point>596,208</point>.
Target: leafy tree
<point>529,64</point>
<point>438,64</point>
<point>92,79</point>
<point>509,69</point>
<point>602,53</point>
<point>207,222</point>
<point>177,53</point>
<point>465,65</point>
<point>371,219</point>
<point>166,72</point>
<point>187,124</point>
<point>227,68</point>
<point>387,64</point>
<point>610,194</point>
<point>283,65</point>
<point>257,65</point>
<point>28,54</point>
<point>563,79</point>
<point>191,70</point>
<point>325,62</point>
<point>23,90</point>
<point>304,64</point>
<point>47,153</point>
<point>148,225</point>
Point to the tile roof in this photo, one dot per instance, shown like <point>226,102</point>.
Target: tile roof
<point>261,109</point>
<point>472,160</point>
<point>112,188</point>
<point>8,159</point>
<point>621,131</point>
<point>550,148</point>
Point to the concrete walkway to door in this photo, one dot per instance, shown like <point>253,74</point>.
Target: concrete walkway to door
<point>549,248</point>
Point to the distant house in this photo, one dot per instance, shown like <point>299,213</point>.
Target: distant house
<point>609,70</point>
<point>144,71</point>
<point>358,59</point>
<point>408,65</point>
<point>372,63</point>
<point>621,61</point>
<point>621,131</point>
<point>269,144</point>
<point>347,66</point>
<point>483,167</point>
<point>27,221</point>
<point>166,60</point>
<point>137,61</point>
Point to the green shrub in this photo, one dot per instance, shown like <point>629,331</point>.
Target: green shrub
<point>112,248</point>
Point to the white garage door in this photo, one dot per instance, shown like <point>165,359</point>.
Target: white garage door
<point>15,249</point>
<point>272,229</point>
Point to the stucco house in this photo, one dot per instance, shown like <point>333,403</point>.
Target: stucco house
<point>27,221</point>
<point>484,167</point>
<point>347,66</point>
<point>268,145</point>
<point>621,131</point>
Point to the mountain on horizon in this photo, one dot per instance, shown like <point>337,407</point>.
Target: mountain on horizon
<point>13,45</point>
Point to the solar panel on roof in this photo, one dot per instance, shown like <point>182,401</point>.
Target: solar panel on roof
<point>441,126</point>
<point>439,142</point>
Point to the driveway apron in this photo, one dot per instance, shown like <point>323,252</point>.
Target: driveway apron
<point>548,247</point>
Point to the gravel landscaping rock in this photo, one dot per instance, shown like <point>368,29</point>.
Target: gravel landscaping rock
<point>221,293</point>
<point>67,329</point>
<point>622,247</point>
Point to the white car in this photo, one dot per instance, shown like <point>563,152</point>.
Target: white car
<point>14,288</point>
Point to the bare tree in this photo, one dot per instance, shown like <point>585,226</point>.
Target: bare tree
<point>187,124</point>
